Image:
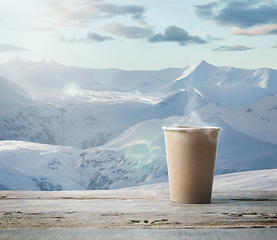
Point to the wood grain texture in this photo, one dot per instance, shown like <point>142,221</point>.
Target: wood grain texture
<point>134,209</point>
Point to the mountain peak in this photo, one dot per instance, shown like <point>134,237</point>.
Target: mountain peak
<point>190,69</point>
<point>13,63</point>
<point>16,60</point>
<point>202,64</point>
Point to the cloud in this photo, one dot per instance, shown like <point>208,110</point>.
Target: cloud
<point>81,12</point>
<point>43,29</point>
<point>11,48</point>
<point>273,32</point>
<point>171,34</point>
<point>205,11</point>
<point>97,38</point>
<point>176,34</point>
<point>71,40</point>
<point>132,32</point>
<point>91,37</point>
<point>232,48</point>
<point>266,30</point>
<point>211,38</point>
<point>242,14</point>
<point>111,10</point>
<point>274,46</point>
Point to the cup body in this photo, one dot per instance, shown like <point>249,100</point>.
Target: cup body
<point>191,155</point>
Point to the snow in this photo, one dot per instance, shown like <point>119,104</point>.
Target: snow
<point>69,128</point>
<point>235,94</point>
<point>12,179</point>
<point>12,97</point>
<point>250,180</point>
<point>47,165</point>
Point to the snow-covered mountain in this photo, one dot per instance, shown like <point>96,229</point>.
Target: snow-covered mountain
<point>52,75</point>
<point>71,128</point>
<point>204,74</point>
<point>87,119</point>
<point>137,156</point>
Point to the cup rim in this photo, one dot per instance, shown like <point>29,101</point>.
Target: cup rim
<point>185,128</point>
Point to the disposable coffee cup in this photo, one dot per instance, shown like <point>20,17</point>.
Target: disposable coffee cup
<point>191,156</point>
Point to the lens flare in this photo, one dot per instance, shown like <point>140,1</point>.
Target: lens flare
<point>47,60</point>
<point>72,88</point>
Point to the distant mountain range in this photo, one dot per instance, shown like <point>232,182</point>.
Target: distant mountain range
<point>202,74</point>
<point>65,127</point>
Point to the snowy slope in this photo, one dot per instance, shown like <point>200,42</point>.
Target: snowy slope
<point>41,123</point>
<point>47,75</point>
<point>235,94</point>
<point>51,162</point>
<point>204,74</point>
<point>250,180</point>
<point>49,167</point>
<point>12,97</point>
<point>137,156</point>
<point>239,152</point>
<point>11,179</point>
<point>24,118</point>
<point>101,116</point>
<point>177,103</point>
<point>84,119</point>
<point>143,81</point>
<point>257,120</point>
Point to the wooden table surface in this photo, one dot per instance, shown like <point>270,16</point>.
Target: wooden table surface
<point>135,211</point>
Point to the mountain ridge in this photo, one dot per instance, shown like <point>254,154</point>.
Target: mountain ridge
<point>147,81</point>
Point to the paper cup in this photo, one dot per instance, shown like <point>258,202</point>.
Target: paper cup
<point>191,155</point>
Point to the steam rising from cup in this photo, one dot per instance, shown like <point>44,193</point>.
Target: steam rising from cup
<point>191,117</point>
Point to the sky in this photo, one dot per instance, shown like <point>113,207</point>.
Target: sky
<point>140,34</point>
